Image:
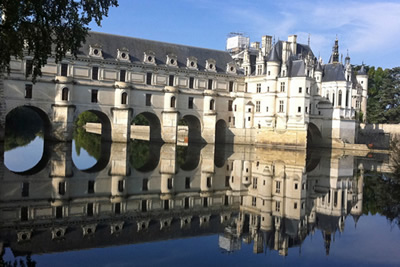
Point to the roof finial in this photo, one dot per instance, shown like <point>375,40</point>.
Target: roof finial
<point>309,37</point>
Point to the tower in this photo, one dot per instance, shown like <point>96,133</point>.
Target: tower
<point>335,52</point>
<point>362,78</point>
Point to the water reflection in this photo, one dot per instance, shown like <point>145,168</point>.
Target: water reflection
<point>140,192</point>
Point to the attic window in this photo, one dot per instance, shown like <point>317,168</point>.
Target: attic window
<point>232,68</point>
<point>172,61</point>
<point>192,64</point>
<point>123,55</point>
<point>96,51</point>
<point>211,66</point>
<point>150,58</point>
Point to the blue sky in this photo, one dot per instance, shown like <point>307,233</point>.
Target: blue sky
<point>369,29</point>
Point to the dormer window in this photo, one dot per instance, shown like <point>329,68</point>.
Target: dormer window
<point>95,51</point>
<point>172,60</point>
<point>231,67</point>
<point>149,57</point>
<point>191,63</point>
<point>123,54</point>
<point>210,65</point>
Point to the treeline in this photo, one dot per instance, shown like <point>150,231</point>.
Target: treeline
<point>383,104</point>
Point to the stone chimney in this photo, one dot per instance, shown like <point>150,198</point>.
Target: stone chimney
<point>293,43</point>
<point>266,44</point>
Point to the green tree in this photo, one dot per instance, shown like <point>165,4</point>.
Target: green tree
<point>46,27</point>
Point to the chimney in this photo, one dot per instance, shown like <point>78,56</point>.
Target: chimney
<point>293,43</point>
<point>266,43</point>
<point>255,45</point>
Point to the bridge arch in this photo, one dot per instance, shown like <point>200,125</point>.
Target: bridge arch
<point>314,136</point>
<point>220,131</point>
<point>46,128</point>
<point>194,128</point>
<point>154,124</point>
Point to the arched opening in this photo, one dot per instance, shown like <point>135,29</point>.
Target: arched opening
<point>188,157</point>
<point>124,98</point>
<point>144,156</point>
<point>314,136</point>
<point>173,102</point>
<point>146,126</point>
<point>26,130</point>
<point>91,141</point>
<point>220,132</point>
<point>212,104</point>
<point>64,95</point>
<point>189,130</point>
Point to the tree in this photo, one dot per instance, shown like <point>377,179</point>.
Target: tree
<point>43,28</point>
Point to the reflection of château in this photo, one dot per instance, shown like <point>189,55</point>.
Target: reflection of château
<point>273,197</point>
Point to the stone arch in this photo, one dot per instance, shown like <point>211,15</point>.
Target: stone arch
<point>192,157</point>
<point>154,124</point>
<point>47,130</point>
<point>220,131</point>
<point>105,124</point>
<point>194,129</point>
<point>314,136</point>
<point>144,156</point>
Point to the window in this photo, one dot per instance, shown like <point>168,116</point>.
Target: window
<point>258,87</point>
<point>64,94</point>
<point>95,73</point>
<point>230,103</point>
<point>28,67</point>
<point>357,104</point>
<point>61,188</point>
<point>226,201</point>
<point>282,86</point>
<point>295,205</point>
<point>191,82</point>
<point>249,118</point>
<point>187,183</point>
<point>347,98</point>
<point>235,108</point>
<point>24,214</point>
<point>25,190</point>
<point>299,109</point>
<point>210,84</point>
<point>245,87</point>
<point>266,109</point>
<point>124,98</point>
<point>231,86</point>
<point>307,90</point>
<point>278,187</point>
<point>258,106</point>
<point>121,186</point>
<point>269,73</point>
<point>205,202</point>
<point>284,73</point>
<point>94,95</point>
<point>148,99</point>
<point>28,90</point>
<point>227,178</point>
<point>340,98</point>
<point>186,202</point>
<point>278,206</point>
<point>64,69</point>
<point>171,80</point>
<point>145,184</point>
<point>169,183</point>
<point>173,100</point>
<point>267,88</point>
<point>190,103</point>
<point>212,104</point>
<point>144,205</point>
<point>117,208</point>
<point>122,75</point>
<point>209,182</point>
<point>259,69</point>
<point>59,212</point>
<point>300,89</point>
<point>306,110</point>
<point>296,186</point>
<point>254,182</point>
<point>148,78</point>
<point>253,201</point>
<point>90,187</point>
<point>89,209</point>
<point>166,204</point>
<point>233,121</point>
<point>333,99</point>
<point>280,105</point>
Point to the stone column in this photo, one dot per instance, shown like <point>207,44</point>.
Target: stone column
<point>168,169</point>
<point>63,122</point>
<point>169,127</point>
<point>121,124</point>
<point>119,159</point>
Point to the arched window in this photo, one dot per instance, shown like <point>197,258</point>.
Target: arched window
<point>124,98</point>
<point>173,100</point>
<point>340,98</point>
<point>333,99</point>
<point>212,104</point>
<point>64,96</point>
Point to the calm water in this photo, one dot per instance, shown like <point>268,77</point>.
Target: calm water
<point>89,203</point>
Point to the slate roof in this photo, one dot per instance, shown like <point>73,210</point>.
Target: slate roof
<point>110,43</point>
<point>362,71</point>
<point>333,72</point>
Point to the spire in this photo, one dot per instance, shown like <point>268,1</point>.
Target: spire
<point>347,59</point>
<point>335,52</point>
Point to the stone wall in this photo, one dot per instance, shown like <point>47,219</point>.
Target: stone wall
<point>378,135</point>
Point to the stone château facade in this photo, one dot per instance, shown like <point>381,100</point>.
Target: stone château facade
<point>277,94</point>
